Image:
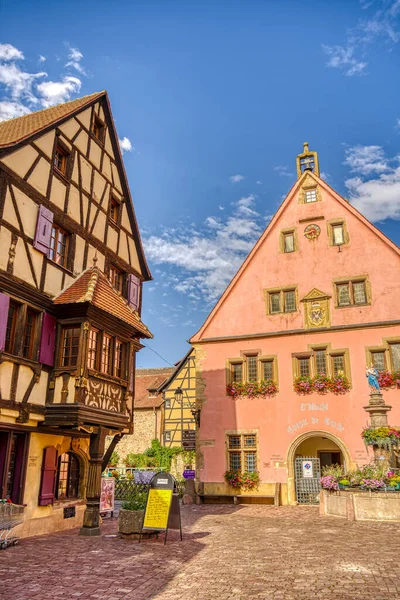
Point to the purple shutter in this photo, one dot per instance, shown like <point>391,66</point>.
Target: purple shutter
<point>133,291</point>
<point>4,306</point>
<point>48,340</point>
<point>43,230</point>
<point>49,472</point>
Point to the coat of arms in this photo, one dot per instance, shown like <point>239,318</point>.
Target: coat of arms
<point>317,314</point>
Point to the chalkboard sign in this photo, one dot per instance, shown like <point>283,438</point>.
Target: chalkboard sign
<point>69,512</point>
<point>162,510</point>
<point>189,439</point>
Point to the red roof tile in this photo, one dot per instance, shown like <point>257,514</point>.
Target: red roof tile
<point>93,286</point>
<point>149,379</point>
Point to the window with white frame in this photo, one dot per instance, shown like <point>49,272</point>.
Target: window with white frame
<point>310,195</point>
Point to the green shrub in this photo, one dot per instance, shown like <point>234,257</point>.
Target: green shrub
<point>137,502</point>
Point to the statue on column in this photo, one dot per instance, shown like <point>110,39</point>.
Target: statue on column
<point>372,375</point>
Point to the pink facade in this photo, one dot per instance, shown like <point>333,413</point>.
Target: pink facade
<point>362,325</point>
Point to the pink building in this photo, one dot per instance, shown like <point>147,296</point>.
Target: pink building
<point>317,296</point>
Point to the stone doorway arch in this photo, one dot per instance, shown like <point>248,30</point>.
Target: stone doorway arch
<point>292,453</point>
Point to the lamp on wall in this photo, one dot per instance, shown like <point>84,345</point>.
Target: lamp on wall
<point>196,412</point>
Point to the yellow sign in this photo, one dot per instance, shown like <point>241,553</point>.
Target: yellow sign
<point>157,509</point>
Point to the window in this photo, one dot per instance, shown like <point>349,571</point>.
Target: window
<point>351,293</point>
<point>338,365</point>
<point>61,159</point>
<point>394,350</point>
<point>237,372</point>
<point>106,354</point>
<point>119,361</point>
<point>167,436</point>
<point>167,403</point>
<point>29,333</point>
<point>59,242</point>
<point>242,452</point>
<point>288,242</point>
<point>70,346</point>
<point>378,360</point>
<point>252,368</point>
<point>114,210</point>
<point>98,128</point>
<point>281,301</point>
<point>304,367</point>
<point>321,362</point>
<point>337,235</point>
<point>116,278</point>
<point>310,195</point>
<point>267,369</point>
<point>11,327</point>
<point>93,348</point>
<point>68,476</point>
<point>12,464</point>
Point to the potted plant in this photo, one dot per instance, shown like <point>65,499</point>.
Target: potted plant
<point>114,460</point>
<point>130,516</point>
<point>343,483</point>
<point>242,480</point>
<point>393,482</point>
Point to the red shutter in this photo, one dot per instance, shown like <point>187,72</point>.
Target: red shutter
<point>49,472</point>
<point>48,340</point>
<point>43,230</point>
<point>4,306</point>
<point>133,291</point>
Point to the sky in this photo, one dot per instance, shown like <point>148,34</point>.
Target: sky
<point>212,102</point>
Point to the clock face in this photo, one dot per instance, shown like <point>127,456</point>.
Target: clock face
<point>312,231</point>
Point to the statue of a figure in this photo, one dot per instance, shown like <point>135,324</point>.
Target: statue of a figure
<point>372,375</point>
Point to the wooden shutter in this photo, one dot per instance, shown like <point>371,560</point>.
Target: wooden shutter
<point>133,291</point>
<point>48,340</point>
<point>43,230</point>
<point>49,472</point>
<point>4,307</point>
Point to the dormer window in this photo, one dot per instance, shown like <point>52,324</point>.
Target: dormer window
<point>152,393</point>
<point>98,128</point>
<point>310,195</point>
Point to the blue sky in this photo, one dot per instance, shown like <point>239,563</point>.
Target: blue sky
<point>215,99</point>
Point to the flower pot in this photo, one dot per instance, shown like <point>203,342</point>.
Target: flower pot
<point>342,486</point>
<point>130,521</point>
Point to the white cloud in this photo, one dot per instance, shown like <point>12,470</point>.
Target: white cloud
<point>258,182</point>
<point>204,260</point>
<point>56,92</point>
<point>236,178</point>
<point>9,52</point>
<point>283,171</point>
<point>18,83</point>
<point>375,188</point>
<point>221,207</point>
<point>42,58</point>
<point>325,176</point>
<point>75,56</point>
<point>398,124</point>
<point>343,58</point>
<point>126,145</point>
<point>9,110</point>
<point>381,25</point>
<point>366,159</point>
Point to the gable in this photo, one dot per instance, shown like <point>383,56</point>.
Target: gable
<point>315,263</point>
<point>98,172</point>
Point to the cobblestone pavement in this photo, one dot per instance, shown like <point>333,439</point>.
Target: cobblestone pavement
<point>228,552</point>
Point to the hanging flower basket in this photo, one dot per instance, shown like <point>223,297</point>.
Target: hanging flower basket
<point>383,437</point>
<point>389,379</point>
<point>252,389</point>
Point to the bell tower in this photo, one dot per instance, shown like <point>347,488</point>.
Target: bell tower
<point>307,161</point>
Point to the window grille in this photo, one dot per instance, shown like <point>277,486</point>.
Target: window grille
<point>235,462</point>
<point>343,294</point>
<point>252,368</point>
<point>320,362</point>
<point>290,301</point>
<point>378,360</point>
<point>119,361</point>
<point>68,476</point>
<point>304,367</point>
<point>311,195</point>
<point>237,373</point>
<point>239,455</point>
<point>250,461</point>
<point>234,441</point>
<point>338,365</point>
<point>70,346</point>
<point>106,354</point>
<point>250,441</point>
<point>360,296</point>
<point>275,300</point>
<point>92,348</point>
<point>395,356</point>
<point>268,369</point>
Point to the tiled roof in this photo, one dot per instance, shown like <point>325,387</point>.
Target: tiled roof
<point>149,379</point>
<point>18,129</point>
<point>93,286</point>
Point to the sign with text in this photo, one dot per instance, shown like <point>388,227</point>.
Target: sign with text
<point>307,469</point>
<point>189,474</point>
<point>162,510</point>
<point>189,439</point>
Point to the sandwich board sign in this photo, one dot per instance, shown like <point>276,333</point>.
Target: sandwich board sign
<point>162,510</point>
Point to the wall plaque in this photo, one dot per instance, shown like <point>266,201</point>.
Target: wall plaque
<point>69,512</point>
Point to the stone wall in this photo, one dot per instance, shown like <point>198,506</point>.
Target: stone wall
<point>361,506</point>
<point>147,424</point>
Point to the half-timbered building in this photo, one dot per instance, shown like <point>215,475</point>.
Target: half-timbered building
<point>71,271</point>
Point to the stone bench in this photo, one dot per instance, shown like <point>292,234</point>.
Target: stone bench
<point>236,498</point>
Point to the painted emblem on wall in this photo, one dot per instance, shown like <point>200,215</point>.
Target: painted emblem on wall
<point>316,309</point>
<point>312,231</point>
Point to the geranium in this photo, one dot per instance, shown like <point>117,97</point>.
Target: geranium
<point>252,389</point>
<point>303,385</point>
<point>373,484</point>
<point>329,482</point>
<point>339,384</point>
<point>321,384</point>
<point>383,437</point>
<point>389,379</point>
<point>242,479</point>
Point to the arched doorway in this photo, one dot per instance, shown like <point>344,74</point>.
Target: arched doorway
<point>306,456</point>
